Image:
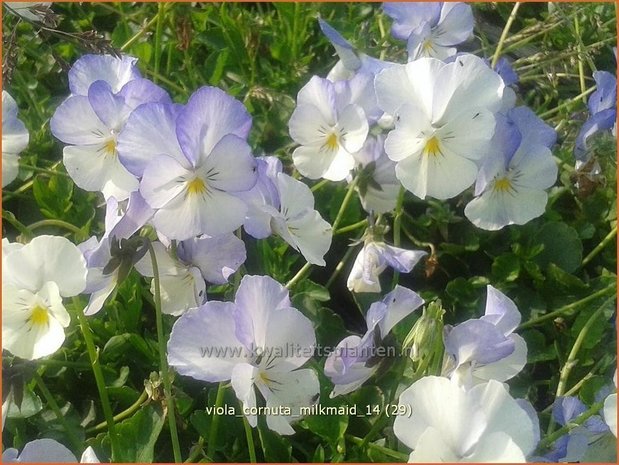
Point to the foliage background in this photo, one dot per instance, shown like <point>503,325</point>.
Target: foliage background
<point>261,53</point>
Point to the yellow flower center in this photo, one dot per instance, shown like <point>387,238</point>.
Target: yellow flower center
<point>432,147</point>
<point>332,143</point>
<point>39,316</point>
<point>196,186</point>
<point>502,185</point>
<point>110,147</point>
<point>427,46</point>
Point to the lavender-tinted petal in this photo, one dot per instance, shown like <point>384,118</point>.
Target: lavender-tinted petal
<point>565,409</point>
<point>601,121</point>
<point>140,91</point>
<point>149,131</point>
<point>90,68</point>
<point>344,49</point>
<point>455,24</point>
<point>408,16</point>
<point>209,115</point>
<point>596,425</point>
<point>109,108</point>
<point>501,311</point>
<point>479,341</point>
<point>400,259</point>
<point>216,257</point>
<point>605,96</point>
<point>532,413</point>
<point>398,304</point>
<point>504,68</point>
<point>534,131</point>
<point>137,215</point>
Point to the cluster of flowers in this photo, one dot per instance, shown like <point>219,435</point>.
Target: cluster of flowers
<point>436,126</point>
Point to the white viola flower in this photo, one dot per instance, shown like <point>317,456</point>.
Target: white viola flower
<point>431,29</point>
<point>298,223</point>
<point>90,123</point>
<point>328,127</point>
<point>444,121</point>
<point>257,342</point>
<point>182,286</point>
<point>182,278</point>
<point>482,349</point>
<point>451,424</point>
<point>262,197</point>
<point>47,451</point>
<point>354,361</point>
<point>35,278</point>
<point>194,191</point>
<point>14,139</point>
<point>610,409</point>
<point>122,220</point>
<point>511,183</point>
<point>116,71</point>
<point>373,259</point>
<point>378,186</point>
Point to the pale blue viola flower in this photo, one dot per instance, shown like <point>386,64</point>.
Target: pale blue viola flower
<point>14,139</point>
<point>279,204</point>
<point>511,183</point>
<point>354,361</point>
<point>47,451</point>
<point>373,259</point>
<point>329,127</point>
<point>35,279</point>
<point>602,106</point>
<point>122,220</point>
<point>431,29</point>
<point>194,191</point>
<point>486,348</point>
<point>297,222</point>
<point>445,422</point>
<point>444,121</point>
<point>258,342</point>
<point>199,259</point>
<point>91,119</point>
<point>378,186</point>
<point>573,446</point>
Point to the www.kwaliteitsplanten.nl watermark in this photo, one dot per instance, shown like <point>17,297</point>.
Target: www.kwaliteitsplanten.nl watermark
<point>292,349</point>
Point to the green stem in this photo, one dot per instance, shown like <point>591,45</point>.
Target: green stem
<point>351,227</point>
<point>212,436</point>
<point>93,354</point>
<point>385,450</point>
<point>36,169</point>
<point>340,266</point>
<point>158,32</point>
<point>319,185</point>
<point>122,415</point>
<point>250,440</point>
<point>140,33</point>
<point>345,202</point>
<point>607,240</point>
<point>571,359</point>
<point>196,451</point>
<point>58,223</point>
<point>567,103</point>
<point>51,402</point>
<point>581,68</point>
<point>568,308</point>
<point>299,276</point>
<point>22,228</point>
<point>508,25</point>
<point>397,230</point>
<point>163,362</point>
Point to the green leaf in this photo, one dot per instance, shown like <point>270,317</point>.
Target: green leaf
<point>138,435</point>
<point>506,267</point>
<point>329,427</point>
<point>275,447</point>
<point>562,246</point>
